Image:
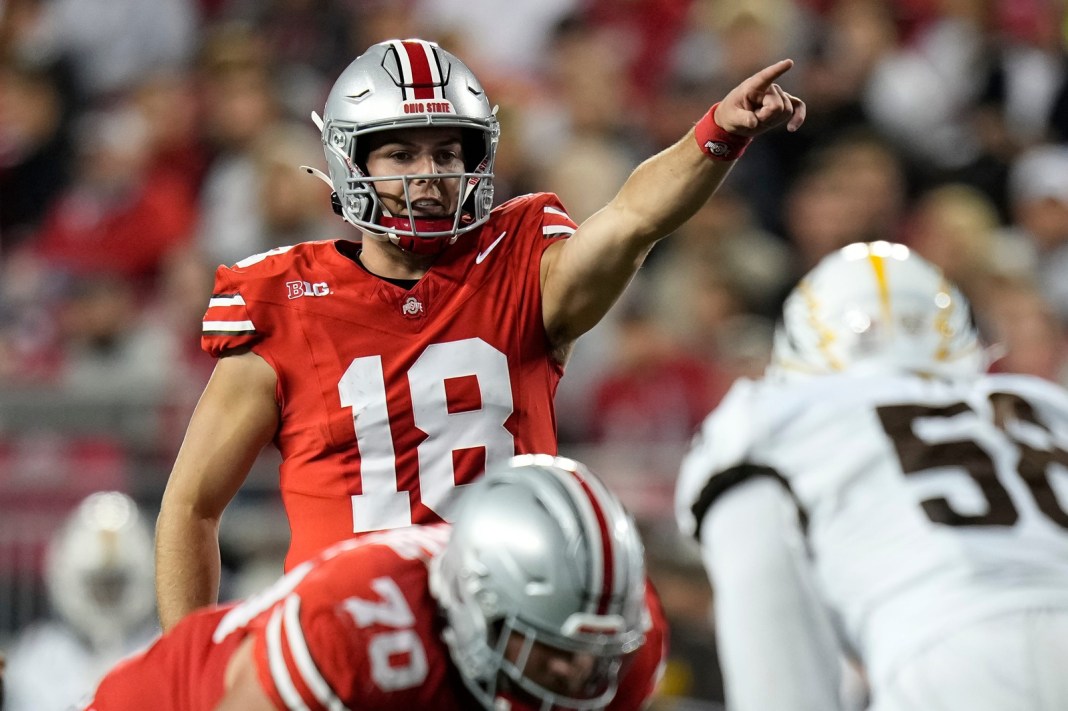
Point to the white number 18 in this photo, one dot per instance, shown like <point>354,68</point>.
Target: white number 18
<point>363,388</point>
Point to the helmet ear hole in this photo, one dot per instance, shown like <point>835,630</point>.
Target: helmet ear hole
<point>474,148</point>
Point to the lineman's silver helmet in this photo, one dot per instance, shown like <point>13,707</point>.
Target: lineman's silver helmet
<point>542,549</point>
<point>408,84</point>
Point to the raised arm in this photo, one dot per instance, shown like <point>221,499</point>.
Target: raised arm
<point>584,275</point>
<point>236,417</point>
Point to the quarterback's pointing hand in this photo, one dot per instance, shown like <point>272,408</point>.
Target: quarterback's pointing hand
<point>758,104</point>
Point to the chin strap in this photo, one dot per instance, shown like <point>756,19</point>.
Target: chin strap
<point>418,245</point>
<point>318,174</point>
<point>335,201</point>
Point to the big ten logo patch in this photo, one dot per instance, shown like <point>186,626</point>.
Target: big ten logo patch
<point>297,289</point>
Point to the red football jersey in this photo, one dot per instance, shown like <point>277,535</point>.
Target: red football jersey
<point>353,628</point>
<point>392,399</point>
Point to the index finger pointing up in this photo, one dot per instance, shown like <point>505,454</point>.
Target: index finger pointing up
<point>767,76</point>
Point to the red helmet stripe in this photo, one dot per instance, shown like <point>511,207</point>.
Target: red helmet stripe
<point>422,76</point>
<point>607,555</point>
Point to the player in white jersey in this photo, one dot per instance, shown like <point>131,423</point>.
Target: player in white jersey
<point>878,497</point>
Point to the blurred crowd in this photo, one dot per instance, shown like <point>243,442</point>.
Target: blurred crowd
<point>145,142</point>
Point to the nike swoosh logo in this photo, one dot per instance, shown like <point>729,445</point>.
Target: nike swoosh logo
<point>485,253</point>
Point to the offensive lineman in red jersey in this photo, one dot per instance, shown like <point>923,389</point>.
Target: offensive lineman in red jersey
<point>425,617</point>
<point>390,372</point>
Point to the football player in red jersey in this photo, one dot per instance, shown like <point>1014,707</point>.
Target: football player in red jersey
<point>532,600</point>
<point>391,371</point>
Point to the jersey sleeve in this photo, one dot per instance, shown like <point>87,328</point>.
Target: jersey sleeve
<point>776,641</point>
<point>541,220</point>
<point>227,323</point>
<point>292,655</point>
<point>718,458</point>
<point>556,224</point>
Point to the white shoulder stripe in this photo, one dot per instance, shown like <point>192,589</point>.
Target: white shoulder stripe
<point>256,258</point>
<point>550,230</point>
<point>298,648</point>
<point>228,326</point>
<point>556,211</point>
<point>228,300</point>
<point>276,662</point>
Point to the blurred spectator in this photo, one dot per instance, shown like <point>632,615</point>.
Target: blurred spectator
<point>303,35</point>
<point>295,206</point>
<point>726,41</point>
<point>29,352</point>
<point>374,21</point>
<point>853,190</point>
<point>307,43</point>
<point>654,391</point>
<point>1038,192</point>
<point>723,242</point>
<point>919,95</point>
<point>578,127</point>
<point>743,346</point>
<point>169,103</point>
<point>34,149</point>
<point>1025,331</point>
<point>645,33</point>
<point>977,82</point>
<point>111,44</point>
<point>117,216</point>
<point>849,41</point>
<point>172,322</point>
<point>239,106</point>
<point>496,44</point>
<point>1030,67</point>
<point>99,578</point>
<point>592,150</point>
<point>105,348</point>
<point>957,227</point>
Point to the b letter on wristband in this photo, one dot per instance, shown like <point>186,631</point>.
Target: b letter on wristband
<point>716,143</point>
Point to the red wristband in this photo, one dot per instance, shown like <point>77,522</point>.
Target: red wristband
<point>716,143</point>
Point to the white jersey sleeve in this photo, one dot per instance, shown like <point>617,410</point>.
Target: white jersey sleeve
<point>776,643</point>
<point>719,450</point>
<point>777,646</point>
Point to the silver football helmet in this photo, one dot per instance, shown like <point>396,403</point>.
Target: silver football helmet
<point>880,307</point>
<point>99,570</point>
<point>541,553</point>
<point>404,84</point>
